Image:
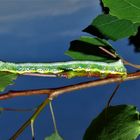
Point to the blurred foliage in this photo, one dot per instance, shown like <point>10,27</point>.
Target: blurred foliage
<point>135,41</point>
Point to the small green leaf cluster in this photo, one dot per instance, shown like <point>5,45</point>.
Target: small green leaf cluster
<point>122,21</point>
<point>54,136</point>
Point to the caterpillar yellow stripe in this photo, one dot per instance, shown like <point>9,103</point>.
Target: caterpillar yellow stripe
<point>70,68</point>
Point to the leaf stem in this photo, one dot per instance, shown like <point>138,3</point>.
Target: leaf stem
<point>32,130</point>
<point>131,64</point>
<point>53,118</point>
<point>114,92</point>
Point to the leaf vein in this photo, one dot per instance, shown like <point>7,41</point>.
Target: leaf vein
<point>133,5</point>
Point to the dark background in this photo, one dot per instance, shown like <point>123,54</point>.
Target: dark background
<point>40,31</point>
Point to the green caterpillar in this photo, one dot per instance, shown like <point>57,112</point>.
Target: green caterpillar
<point>68,69</point>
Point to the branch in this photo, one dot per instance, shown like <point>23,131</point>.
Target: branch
<point>54,92</point>
<point>58,91</point>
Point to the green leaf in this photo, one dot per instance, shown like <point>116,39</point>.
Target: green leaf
<point>115,123</point>
<point>89,48</point>
<point>112,27</point>
<point>124,9</point>
<point>54,136</point>
<point>6,79</point>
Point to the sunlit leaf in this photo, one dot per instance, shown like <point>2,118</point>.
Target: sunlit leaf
<point>89,48</point>
<point>111,27</point>
<point>115,123</point>
<point>6,79</point>
<point>124,9</point>
<point>54,136</point>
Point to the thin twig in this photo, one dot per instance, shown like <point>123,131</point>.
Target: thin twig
<point>54,92</point>
<point>12,94</point>
<point>39,74</point>
<point>32,118</point>
<point>131,64</point>
<point>16,109</point>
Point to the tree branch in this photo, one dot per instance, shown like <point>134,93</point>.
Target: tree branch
<point>54,92</point>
